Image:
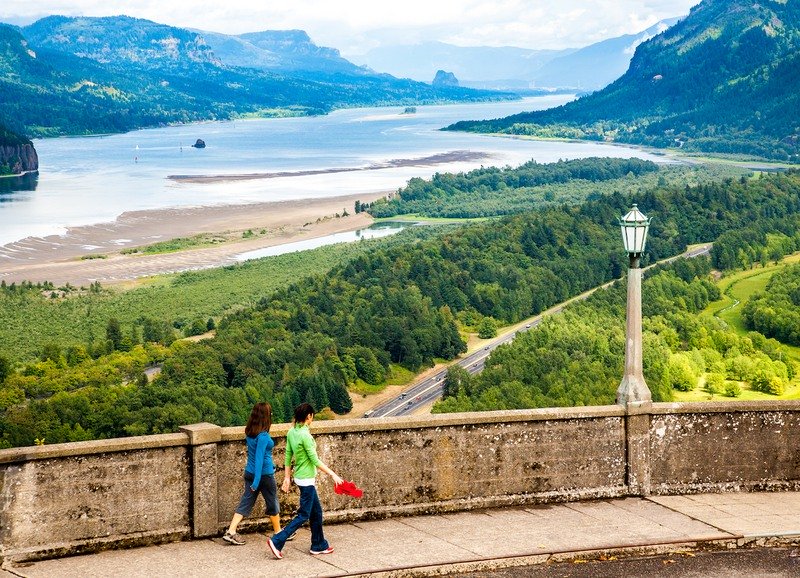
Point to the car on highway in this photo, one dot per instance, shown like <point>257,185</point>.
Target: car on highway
<point>402,395</point>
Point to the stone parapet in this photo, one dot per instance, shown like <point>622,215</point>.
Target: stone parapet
<point>70,498</point>
<point>32,453</point>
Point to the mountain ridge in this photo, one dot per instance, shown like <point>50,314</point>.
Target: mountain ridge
<point>586,68</point>
<point>721,80</point>
<point>599,64</point>
<point>145,43</point>
<point>63,75</point>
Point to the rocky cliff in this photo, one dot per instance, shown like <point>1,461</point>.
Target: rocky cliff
<point>444,78</point>
<point>18,158</point>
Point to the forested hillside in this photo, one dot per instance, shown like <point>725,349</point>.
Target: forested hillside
<point>493,191</point>
<point>93,75</point>
<point>776,311</point>
<point>280,50</point>
<point>398,306</point>
<point>721,80</point>
<point>575,358</point>
<point>8,138</point>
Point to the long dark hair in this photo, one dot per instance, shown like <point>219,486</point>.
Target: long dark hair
<point>260,419</point>
<point>301,412</point>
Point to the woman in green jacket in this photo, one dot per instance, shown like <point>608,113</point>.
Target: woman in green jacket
<point>302,450</point>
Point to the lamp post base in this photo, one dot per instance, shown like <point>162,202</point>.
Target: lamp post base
<point>632,391</point>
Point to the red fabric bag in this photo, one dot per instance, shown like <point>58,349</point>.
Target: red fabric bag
<point>348,489</point>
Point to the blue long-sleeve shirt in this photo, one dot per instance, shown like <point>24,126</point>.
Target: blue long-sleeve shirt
<point>259,457</point>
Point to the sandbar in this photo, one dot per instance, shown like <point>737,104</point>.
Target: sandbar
<point>62,258</point>
<point>427,161</point>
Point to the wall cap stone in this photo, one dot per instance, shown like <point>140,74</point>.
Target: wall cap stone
<point>202,433</point>
<point>725,407</point>
<point>30,453</point>
<point>637,407</point>
<point>279,430</point>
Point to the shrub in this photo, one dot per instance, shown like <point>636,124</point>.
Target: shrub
<point>732,389</point>
<point>715,383</point>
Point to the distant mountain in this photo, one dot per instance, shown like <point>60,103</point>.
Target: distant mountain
<point>279,50</point>
<point>507,68</point>
<point>596,65</point>
<point>475,64</point>
<point>90,75</point>
<point>724,79</point>
<point>121,40</point>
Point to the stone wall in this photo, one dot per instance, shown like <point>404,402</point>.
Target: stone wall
<point>708,447</point>
<point>453,462</point>
<point>86,496</point>
<point>94,495</point>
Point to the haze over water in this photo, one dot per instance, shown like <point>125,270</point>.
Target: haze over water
<point>90,180</point>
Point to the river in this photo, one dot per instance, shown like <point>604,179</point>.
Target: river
<point>86,180</point>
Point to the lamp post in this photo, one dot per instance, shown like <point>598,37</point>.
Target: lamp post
<point>633,389</point>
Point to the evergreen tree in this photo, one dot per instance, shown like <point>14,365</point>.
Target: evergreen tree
<point>340,401</point>
<point>114,333</point>
<point>5,368</point>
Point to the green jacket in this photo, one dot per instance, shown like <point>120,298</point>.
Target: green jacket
<point>301,446</point>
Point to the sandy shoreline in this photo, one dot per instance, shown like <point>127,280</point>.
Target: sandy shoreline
<point>57,258</point>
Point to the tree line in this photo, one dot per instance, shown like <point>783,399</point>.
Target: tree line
<point>495,191</point>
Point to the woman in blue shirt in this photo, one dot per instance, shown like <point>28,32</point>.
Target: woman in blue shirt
<point>259,473</point>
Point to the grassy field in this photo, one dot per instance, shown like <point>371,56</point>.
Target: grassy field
<point>397,376</point>
<point>698,394</point>
<point>736,289</point>
<point>30,320</point>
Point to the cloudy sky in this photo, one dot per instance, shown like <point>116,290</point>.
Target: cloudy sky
<point>355,26</point>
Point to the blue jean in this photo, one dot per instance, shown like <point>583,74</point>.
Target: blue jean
<point>310,510</point>
<point>266,488</point>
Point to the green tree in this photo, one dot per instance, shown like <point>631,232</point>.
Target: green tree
<point>457,382</point>
<point>682,375</point>
<point>339,399</point>
<point>487,328</point>
<point>114,333</point>
<point>732,389</point>
<point>5,368</point>
<point>715,382</point>
<point>52,352</point>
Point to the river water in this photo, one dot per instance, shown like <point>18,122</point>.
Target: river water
<point>89,180</point>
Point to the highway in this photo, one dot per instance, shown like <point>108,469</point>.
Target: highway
<point>428,390</point>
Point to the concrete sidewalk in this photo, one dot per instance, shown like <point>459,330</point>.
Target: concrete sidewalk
<point>486,539</point>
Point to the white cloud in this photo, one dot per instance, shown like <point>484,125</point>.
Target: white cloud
<point>355,25</point>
